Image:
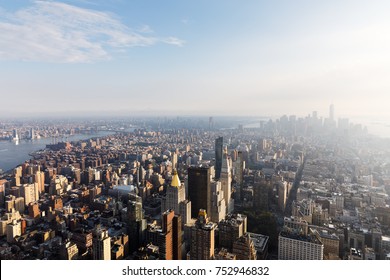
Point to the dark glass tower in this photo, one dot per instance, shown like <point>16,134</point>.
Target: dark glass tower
<point>199,189</point>
<point>218,157</point>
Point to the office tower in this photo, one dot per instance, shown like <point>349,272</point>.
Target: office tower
<point>226,183</point>
<point>15,134</point>
<point>230,229</point>
<point>218,156</point>
<point>202,238</point>
<point>177,237</point>
<point>174,160</point>
<point>239,168</point>
<point>168,237</point>
<point>282,193</point>
<point>101,247</point>
<point>297,242</point>
<point>166,243</point>
<point>218,204</point>
<point>199,189</point>
<point>331,112</point>
<point>175,199</point>
<point>171,247</point>
<point>211,123</point>
<point>135,222</point>
<point>31,133</point>
<point>261,190</point>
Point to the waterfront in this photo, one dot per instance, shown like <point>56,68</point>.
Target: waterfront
<point>14,153</point>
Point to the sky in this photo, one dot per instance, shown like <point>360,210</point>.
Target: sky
<point>200,57</point>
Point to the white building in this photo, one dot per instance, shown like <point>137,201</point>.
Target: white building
<point>294,246</point>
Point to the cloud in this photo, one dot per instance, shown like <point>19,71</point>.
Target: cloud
<point>174,41</point>
<point>51,31</point>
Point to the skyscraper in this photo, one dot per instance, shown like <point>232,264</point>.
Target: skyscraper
<point>202,238</point>
<point>175,199</point>
<point>218,156</point>
<point>218,204</point>
<point>136,222</point>
<point>166,246</point>
<point>226,183</point>
<point>230,229</point>
<point>199,189</point>
<point>331,112</point>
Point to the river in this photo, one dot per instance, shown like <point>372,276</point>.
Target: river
<point>13,153</point>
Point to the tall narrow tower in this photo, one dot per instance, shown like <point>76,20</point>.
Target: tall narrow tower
<point>218,157</point>
<point>331,112</point>
<point>226,182</point>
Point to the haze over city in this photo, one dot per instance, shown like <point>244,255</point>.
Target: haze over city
<point>194,57</point>
<point>194,130</point>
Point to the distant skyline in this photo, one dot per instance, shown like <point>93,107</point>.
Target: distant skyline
<point>258,58</point>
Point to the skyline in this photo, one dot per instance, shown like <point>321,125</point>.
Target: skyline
<point>219,58</point>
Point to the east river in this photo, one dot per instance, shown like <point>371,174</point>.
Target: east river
<point>14,153</point>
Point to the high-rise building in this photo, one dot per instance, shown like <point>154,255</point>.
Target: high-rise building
<point>218,156</point>
<point>331,112</point>
<point>218,204</point>
<point>101,245</point>
<point>261,190</point>
<point>202,238</point>
<point>177,238</point>
<point>167,237</point>
<point>199,189</point>
<point>135,222</point>
<point>2,193</point>
<point>244,248</point>
<point>166,244</point>
<point>13,229</point>
<point>282,193</point>
<point>230,229</point>
<point>174,160</point>
<point>226,183</point>
<point>175,199</point>
<point>30,193</point>
<point>211,123</point>
<point>40,180</point>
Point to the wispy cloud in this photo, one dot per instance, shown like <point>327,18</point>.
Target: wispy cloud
<point>174,41</point>
<point>56,32</point>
